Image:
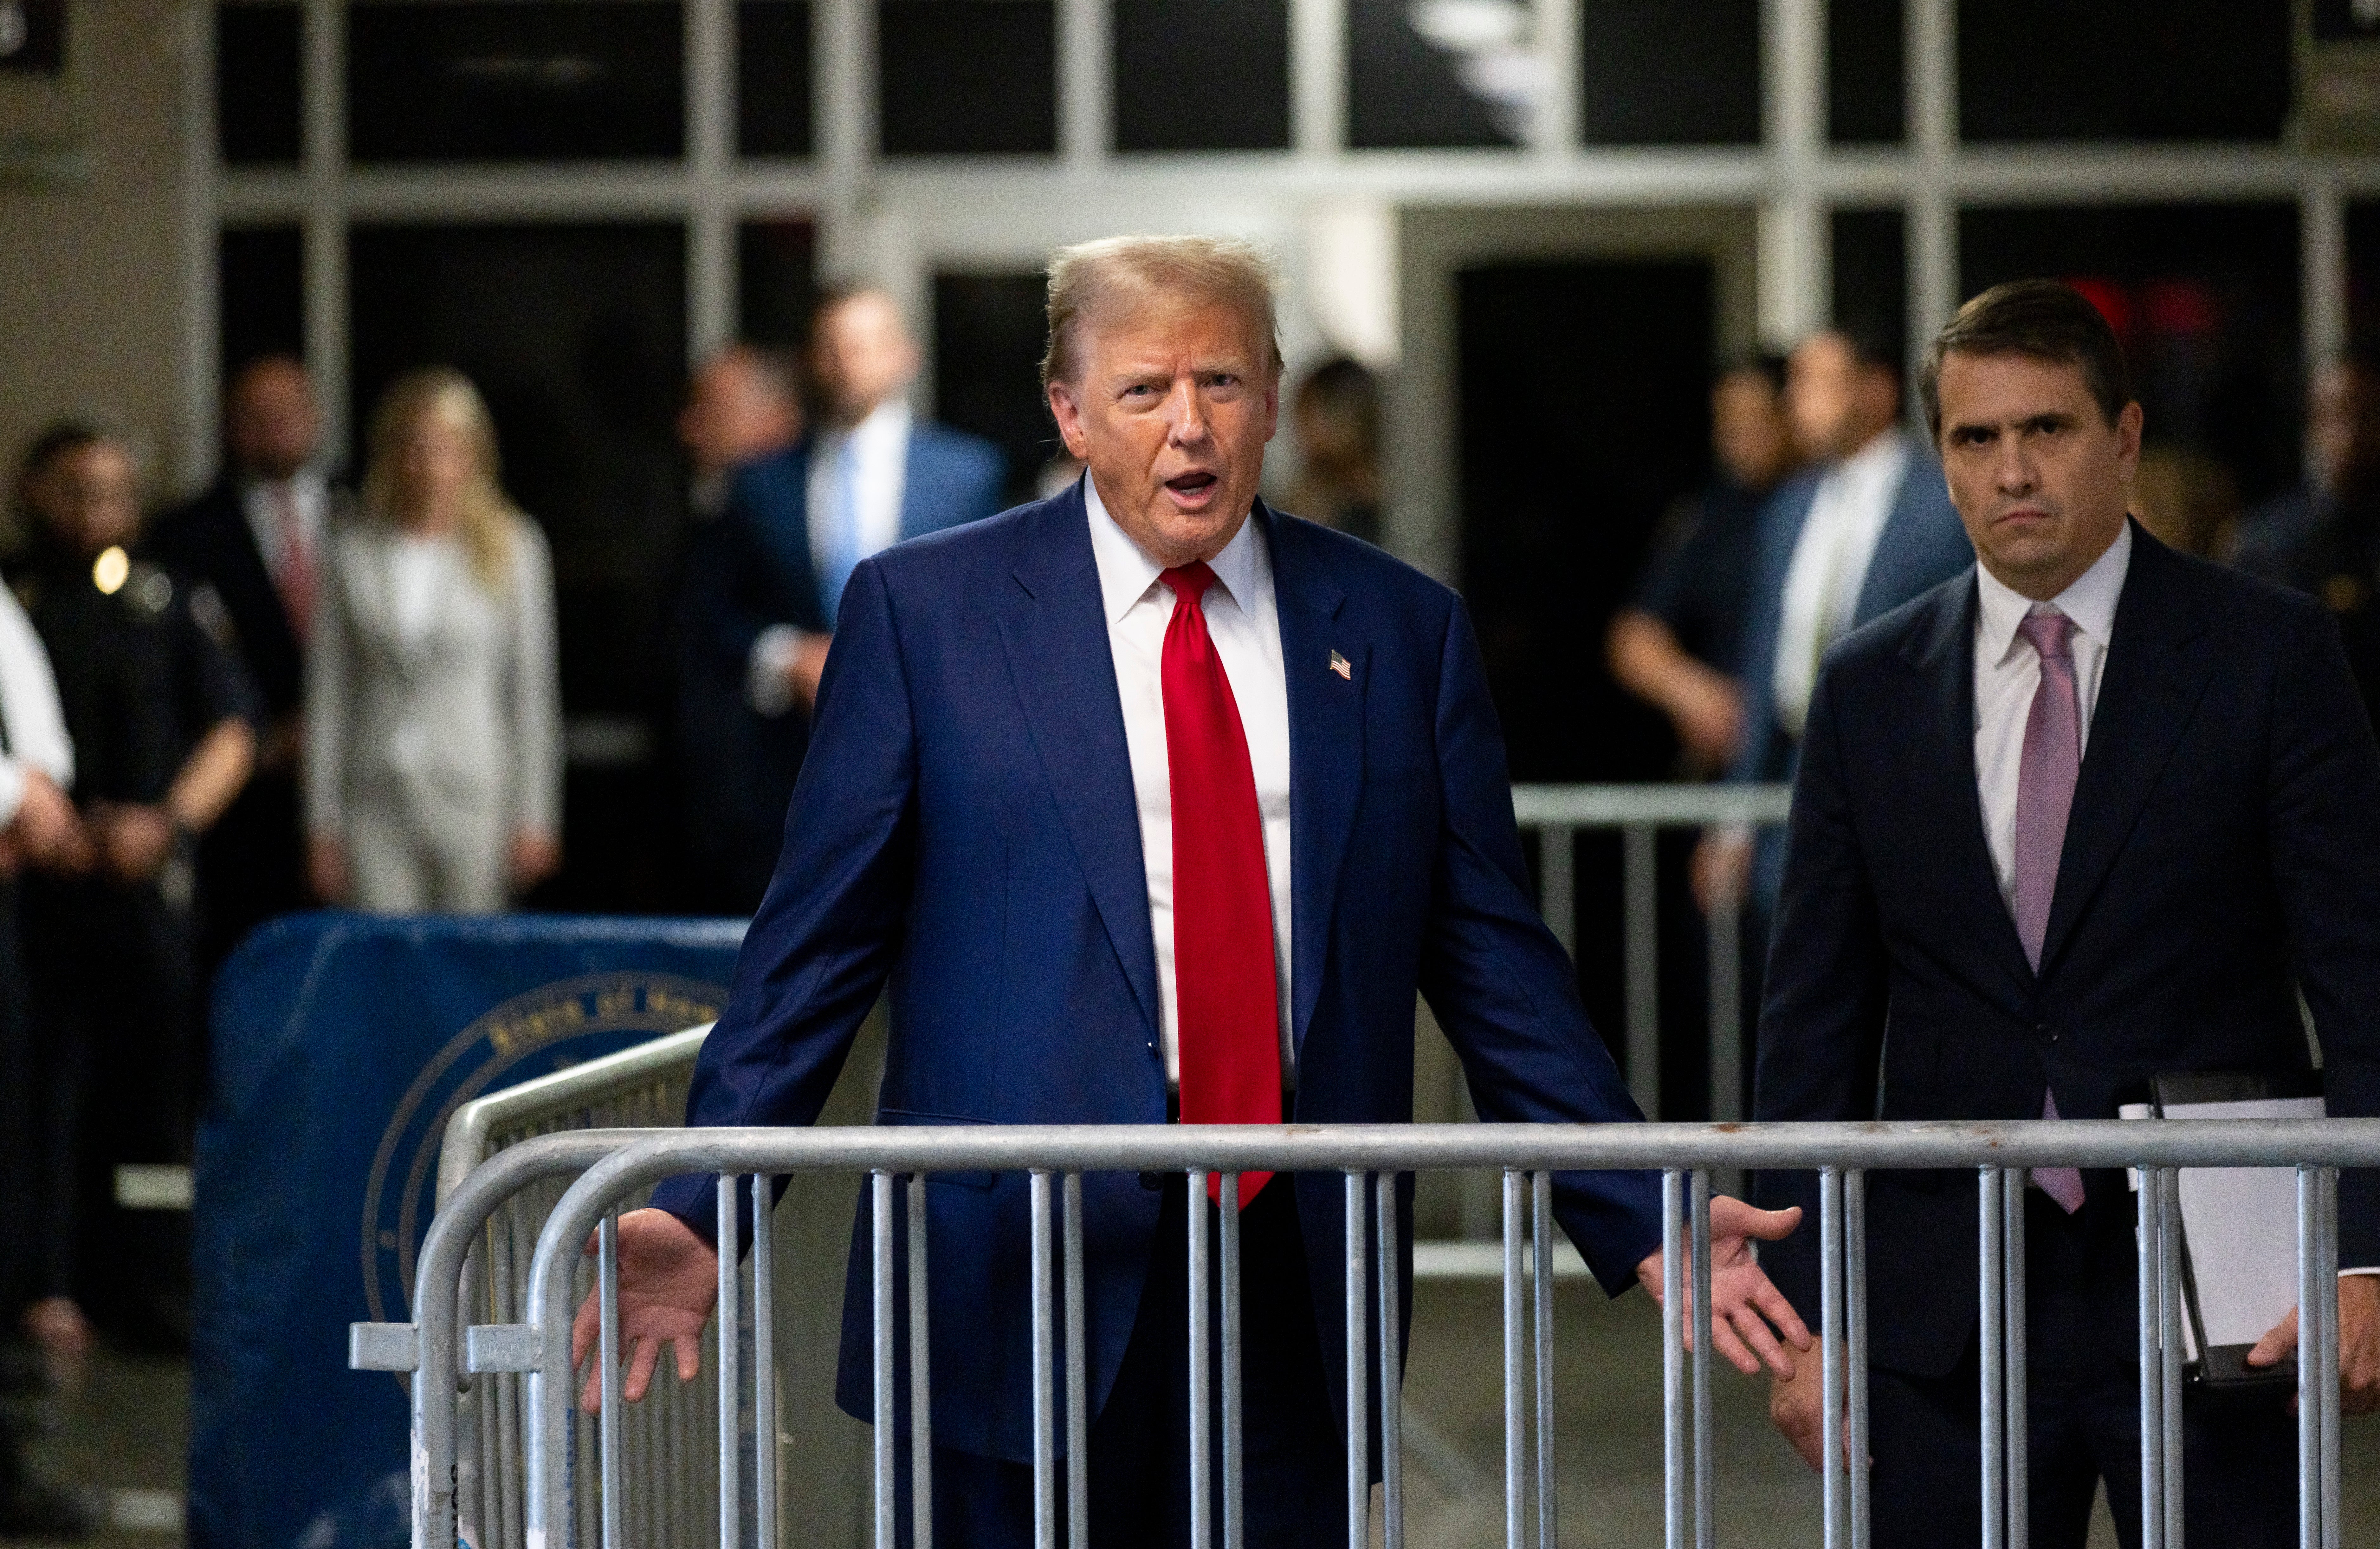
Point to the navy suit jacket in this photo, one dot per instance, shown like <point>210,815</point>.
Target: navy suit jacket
<point>208,540</point>
<point>965,828</point>
<point>2223,851</point>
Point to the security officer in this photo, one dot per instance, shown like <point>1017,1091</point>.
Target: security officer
<point>162,725</point>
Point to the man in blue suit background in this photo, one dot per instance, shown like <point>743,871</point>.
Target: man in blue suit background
<point>1150,803</point>
<point>762,596</point>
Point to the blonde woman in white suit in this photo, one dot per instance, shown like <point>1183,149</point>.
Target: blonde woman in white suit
<point>432,700</point>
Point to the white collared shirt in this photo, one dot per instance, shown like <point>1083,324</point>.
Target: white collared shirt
<point>35,728</point>
<point>880,465</point>
<point>1244,622</point>
<point>310,493</point>
<point>1823,580</point>
<point>2007,673</point>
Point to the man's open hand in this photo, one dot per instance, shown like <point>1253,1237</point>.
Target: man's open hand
<point>1748,1313</point>
<point>669,1279</point>
<point>2358,1344</point>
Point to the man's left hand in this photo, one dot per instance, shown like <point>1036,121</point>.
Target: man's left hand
<point>2358,1344</point>
<point>135,842</point>
<point>1749,1313</point>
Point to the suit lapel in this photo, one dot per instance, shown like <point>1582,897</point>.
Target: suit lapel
<point>2157,667</point>
<point>1055,633</point>
<point>1944,656</point>
<point>1325,748</point>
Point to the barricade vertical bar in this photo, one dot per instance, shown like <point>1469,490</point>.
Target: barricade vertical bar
<point>764,1359</point>
<point>1392,1470</point>
<point>880,1217</point>
<point>1516,1479</point>
<point>1855,1437</point>
<point>1542,1303</point>
<point>1830,1326</point>
<point>2310,1416</point>
<point>1233,1389</point>
<point>1705,1510</point>
<point>730,1321</point>
<point>1079,1425</point>
<point>1045,1481</point>
<point>1643,976</point>
<point>1359,1430</point>
<point>2326,1352</point>
<point>921,1383</point>
<point>1992,1315</point>
<point>2020,1444</point>
<point>1202,1399</point>
<point>608,1293</point>
<point>1673,1361</point>
<point>1557,872</point>
<point>2152,1369</point>
<point>2169,1343</point>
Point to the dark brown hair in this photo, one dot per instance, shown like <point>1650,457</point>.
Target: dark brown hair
<point>2041,320</point>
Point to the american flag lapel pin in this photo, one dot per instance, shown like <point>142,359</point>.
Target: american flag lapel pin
<point>1338,664</point>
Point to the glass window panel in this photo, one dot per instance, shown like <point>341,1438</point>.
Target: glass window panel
<point>2123,70</point>
<point>527,80</point>
<point>968,77</point>
<point>35,40</point>
<point>1202,75</point>
<point>2204,298</point>
<point>776,281</point>
<point>988,332</point>
<point>1865,69</point>
<point>772,78</point>
<point>259,100</point>
<point>1871,284</point>
<point>260,294</point>
<point>1418,79</point>
<point>1669,74</point>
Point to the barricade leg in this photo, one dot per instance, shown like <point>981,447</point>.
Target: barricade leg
<point>1992,1315</point>
<point>1831,1365</point>
<point>2019,1455</point>
<point>764,1361</point>
<point>1705,1507</point>
<point>2151,1357</point>
<point>1202,1400</point>
<point>921,1384</point>
<point>1673,1362</point>
<point>1359,1432</point>
<point>1235,1517</point>
<point>880,1211</point>
<point>1541,1296</point>
<point>2326,1349</point>
<point>1078,1437</point>
<point>2169,1346</point>
<point>1045,1483</point>
<point>1393,1473</point>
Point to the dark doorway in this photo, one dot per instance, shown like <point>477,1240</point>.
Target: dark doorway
<point>1584,411</point>
<point>576,335</point>
<point>989,334</point>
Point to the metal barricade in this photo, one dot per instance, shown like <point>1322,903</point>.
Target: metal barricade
<point>636,1090</point>
<point>616,1167</point>
<point>1640,812</point>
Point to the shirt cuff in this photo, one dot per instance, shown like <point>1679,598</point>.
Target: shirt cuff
<point>2345,1274</point>
<point>769,672</point>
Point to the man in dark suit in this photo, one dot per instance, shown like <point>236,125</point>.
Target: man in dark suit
<point>2091,812</point>
<point>797,524</point>
<point>1148,800</point>
<point>255,539</point>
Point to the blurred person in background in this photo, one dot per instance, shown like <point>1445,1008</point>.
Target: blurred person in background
<point>799,521</point>
<point>1337,414</point>
<point>160,720</point>
<point>257,538</point>
<point>433,768</point>
<point>2187,500</point>
<point>2322,537</point>
<point>1679,644</point>
<point>1866,527</point>
<point>743,406</point>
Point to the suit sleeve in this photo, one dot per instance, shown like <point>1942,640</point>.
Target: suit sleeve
<point>820,948</point>
<point>2323,818</point>
<point>1822,1022</point>
<point>1504,990</point>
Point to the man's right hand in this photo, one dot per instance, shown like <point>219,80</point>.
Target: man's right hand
<point>669,1281</point>
<point>1722,868</point>
<point>46,832</point>
<point>1797,1405</point>
<point>807,666</point>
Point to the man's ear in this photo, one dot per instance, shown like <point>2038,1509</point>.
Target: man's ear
<point>1069,415</point>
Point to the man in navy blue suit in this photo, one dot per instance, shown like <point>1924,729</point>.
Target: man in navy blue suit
<point>761,597</point>
<point>1151,802</point>
<point>2091,812</point>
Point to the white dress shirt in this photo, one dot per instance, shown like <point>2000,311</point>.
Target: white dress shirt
<point>32,728</point>
<point>878,463</point>
<point>1242,621</point>
<point>310,493</point>
<point>1829,566</point>
<point>2007,673</point>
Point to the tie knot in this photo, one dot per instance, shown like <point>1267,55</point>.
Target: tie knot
<point>2046,633</point>
<point>1189,581</point>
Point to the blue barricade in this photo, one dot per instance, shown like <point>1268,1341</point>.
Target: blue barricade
<point>341,1043</point>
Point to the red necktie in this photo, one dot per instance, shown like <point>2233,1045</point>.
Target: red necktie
<point>1227,1029</point>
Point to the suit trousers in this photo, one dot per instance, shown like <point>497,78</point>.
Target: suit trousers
<point>1296,1479</point>
<point>426,857</point>
<point>2082,1415</point>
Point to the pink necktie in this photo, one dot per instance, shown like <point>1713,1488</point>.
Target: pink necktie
<point>2047,769</point>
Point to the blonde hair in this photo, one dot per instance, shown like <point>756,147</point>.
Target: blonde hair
<point>484,515</point>
<point>1092,281</point>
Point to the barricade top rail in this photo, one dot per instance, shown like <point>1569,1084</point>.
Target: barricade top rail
<point>465,1145</point>
<point>1613,806</point>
